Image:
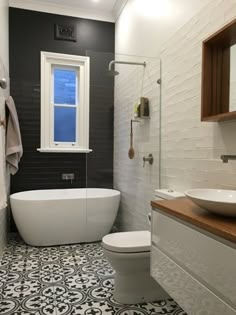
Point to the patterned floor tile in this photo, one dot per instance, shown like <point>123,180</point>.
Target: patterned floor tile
<point>8,306</point>
<point>81,281</point>
<point>61,280</point>
<point>66,299</point>
<point>43,302</point>
<point>21,289</point>
<point>94,308</point>
<point>23,312</point>
<point>7,276</point>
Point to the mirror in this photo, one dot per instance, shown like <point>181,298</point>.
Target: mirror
<point>219,75</point>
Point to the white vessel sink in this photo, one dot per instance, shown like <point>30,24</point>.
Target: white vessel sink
<point>214,200</point>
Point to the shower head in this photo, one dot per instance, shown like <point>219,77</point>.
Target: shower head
<point>112,72</point>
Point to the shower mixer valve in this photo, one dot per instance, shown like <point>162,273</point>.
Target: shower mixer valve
<point>148,159</point>
<point>68,177</point>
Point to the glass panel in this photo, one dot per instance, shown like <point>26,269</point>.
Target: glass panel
<point>100,164</point>
<point>64,86</point>
<point>64,124</point>
<point>138,82</point>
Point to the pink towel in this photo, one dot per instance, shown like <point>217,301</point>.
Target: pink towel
<point>14,149</point>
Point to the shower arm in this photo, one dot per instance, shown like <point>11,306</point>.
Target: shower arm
<point>126,63</point>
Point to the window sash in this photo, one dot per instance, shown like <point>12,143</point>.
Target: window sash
<point>82,63</point>
<point>77,89</point>
<point>65,144</point>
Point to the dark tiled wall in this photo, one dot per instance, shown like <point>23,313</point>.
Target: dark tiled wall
<point>30,33</point>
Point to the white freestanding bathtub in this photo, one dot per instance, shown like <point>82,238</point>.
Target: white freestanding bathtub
<point>64,216</point>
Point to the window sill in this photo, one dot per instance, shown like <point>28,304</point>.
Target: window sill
<point>63,150</point>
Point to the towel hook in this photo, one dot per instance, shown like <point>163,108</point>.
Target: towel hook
<point>2,123</point>
<point>3,83</point>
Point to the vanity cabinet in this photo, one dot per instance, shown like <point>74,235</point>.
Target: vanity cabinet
<point>197,268</point>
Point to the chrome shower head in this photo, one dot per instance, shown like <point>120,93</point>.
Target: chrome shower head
<point>112,72</point>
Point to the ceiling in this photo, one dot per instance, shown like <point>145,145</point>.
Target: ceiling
<point>101,5</point>
<point>105,10</point>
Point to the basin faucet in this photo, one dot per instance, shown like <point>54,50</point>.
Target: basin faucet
<point>226,158</point>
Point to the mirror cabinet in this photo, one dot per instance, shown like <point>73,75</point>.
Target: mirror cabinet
<point>219,75</point>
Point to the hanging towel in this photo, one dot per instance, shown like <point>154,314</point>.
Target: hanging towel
<point>14,149</point>
<point>3,195</point>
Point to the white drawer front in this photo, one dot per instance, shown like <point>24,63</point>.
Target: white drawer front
<point>191,295</point>
<point>210,261</point>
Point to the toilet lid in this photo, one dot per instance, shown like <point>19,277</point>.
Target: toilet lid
<point>128,242</point>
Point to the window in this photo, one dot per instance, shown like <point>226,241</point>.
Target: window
<point>64,103</point>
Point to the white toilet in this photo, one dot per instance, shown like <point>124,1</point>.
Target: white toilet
<point>129,255</point>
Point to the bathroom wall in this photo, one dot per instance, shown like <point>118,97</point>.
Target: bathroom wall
<point>30,33</point>
<point>4,72</point>
<point>141,30</point>
<point>191,149</point>
<point>136,183</point>
<point>144,26</point>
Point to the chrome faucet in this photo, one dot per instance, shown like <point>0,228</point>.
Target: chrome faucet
<point>226,158</point>
<point>68,177</point>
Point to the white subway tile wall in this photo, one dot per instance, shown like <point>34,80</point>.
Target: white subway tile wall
<point>4,72</point>
<point>191,149</point>
<point>3,211</point>
<point>3,230</point>
<point>136,183</point>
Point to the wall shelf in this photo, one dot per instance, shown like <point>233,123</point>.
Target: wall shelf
<point>216,74</point>
<point>220,117</point>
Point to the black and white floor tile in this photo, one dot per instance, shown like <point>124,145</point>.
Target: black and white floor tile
<point>61,280</point>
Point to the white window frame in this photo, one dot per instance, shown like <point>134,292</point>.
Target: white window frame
<point>82,65</point>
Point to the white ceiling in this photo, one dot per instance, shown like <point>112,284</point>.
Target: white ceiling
<point>105,10</point>
<point>101,5</point>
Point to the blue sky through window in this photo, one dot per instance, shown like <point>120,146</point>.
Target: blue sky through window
<point>64,86</point>
<point>64,124</point>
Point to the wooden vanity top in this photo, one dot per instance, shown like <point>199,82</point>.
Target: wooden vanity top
<point>185,210</point>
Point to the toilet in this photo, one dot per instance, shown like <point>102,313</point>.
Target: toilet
<point>129,255</point>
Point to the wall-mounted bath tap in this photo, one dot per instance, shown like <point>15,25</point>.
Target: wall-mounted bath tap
<point>226,158</point>
<point>148,159</point>
<point>3,83</point>
<point>68,177</point>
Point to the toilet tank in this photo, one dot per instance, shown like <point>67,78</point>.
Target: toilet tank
<point>167,194</point>
<point>164,194</point>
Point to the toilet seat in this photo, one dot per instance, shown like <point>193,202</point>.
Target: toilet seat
<point>128,242</point>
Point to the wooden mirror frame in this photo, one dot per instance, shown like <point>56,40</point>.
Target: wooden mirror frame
<point>216,74</point>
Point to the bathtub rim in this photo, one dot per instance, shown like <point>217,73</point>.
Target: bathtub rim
<point>22,195</point>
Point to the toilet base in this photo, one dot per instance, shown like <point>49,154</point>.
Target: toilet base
<point>137,288</point>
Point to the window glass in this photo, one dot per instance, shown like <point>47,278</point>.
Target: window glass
<point>64,103</point>
<point>64,86</point>
<point>64,124</point>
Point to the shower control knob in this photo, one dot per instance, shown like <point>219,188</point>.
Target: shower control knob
<point>148,159</point>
